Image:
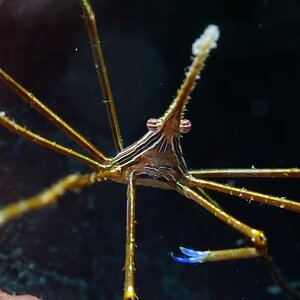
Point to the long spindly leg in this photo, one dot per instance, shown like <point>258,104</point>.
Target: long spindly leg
<point>256,236</point>
<point>280,202</point>
<point>51,116</point>
<point>269,173</point>
<point>207,196</point>
<point>50,195</point>
<point>243,193</point>
<point>129,291</point>
<point>102,73</point>
<point>24,132</point>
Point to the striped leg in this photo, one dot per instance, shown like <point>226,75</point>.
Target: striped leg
<point>50,195</point>
<point>51,116</point>
<point>129,292</point>
<point>256,236</point>
<point>102,73</point>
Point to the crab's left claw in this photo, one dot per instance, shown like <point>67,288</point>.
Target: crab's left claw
<point>193,257</point>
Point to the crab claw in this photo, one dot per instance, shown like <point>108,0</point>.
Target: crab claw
<point>193,257</point>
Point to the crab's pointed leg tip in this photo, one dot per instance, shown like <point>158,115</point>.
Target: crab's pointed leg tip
<point>193,257</point>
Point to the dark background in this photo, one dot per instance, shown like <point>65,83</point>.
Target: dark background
<point>245,112</point>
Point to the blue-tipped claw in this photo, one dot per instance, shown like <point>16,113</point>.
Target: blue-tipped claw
<point>193,257</point>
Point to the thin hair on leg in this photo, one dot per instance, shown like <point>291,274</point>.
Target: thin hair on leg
<point>51,116</point>
<point>108,99</point>
<point>51,195</point>
<point>129,290</point>
<point>243,193</point>
<point>256,236</point>
<point>253,172</point>
<point>52,145</point>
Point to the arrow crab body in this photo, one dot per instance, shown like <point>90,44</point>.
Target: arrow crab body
<point>155,160</point>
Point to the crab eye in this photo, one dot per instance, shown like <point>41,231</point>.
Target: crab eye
<point>185,126</point>
<point>153,124</point>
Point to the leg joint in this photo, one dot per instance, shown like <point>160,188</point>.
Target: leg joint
<point>260,240</point>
